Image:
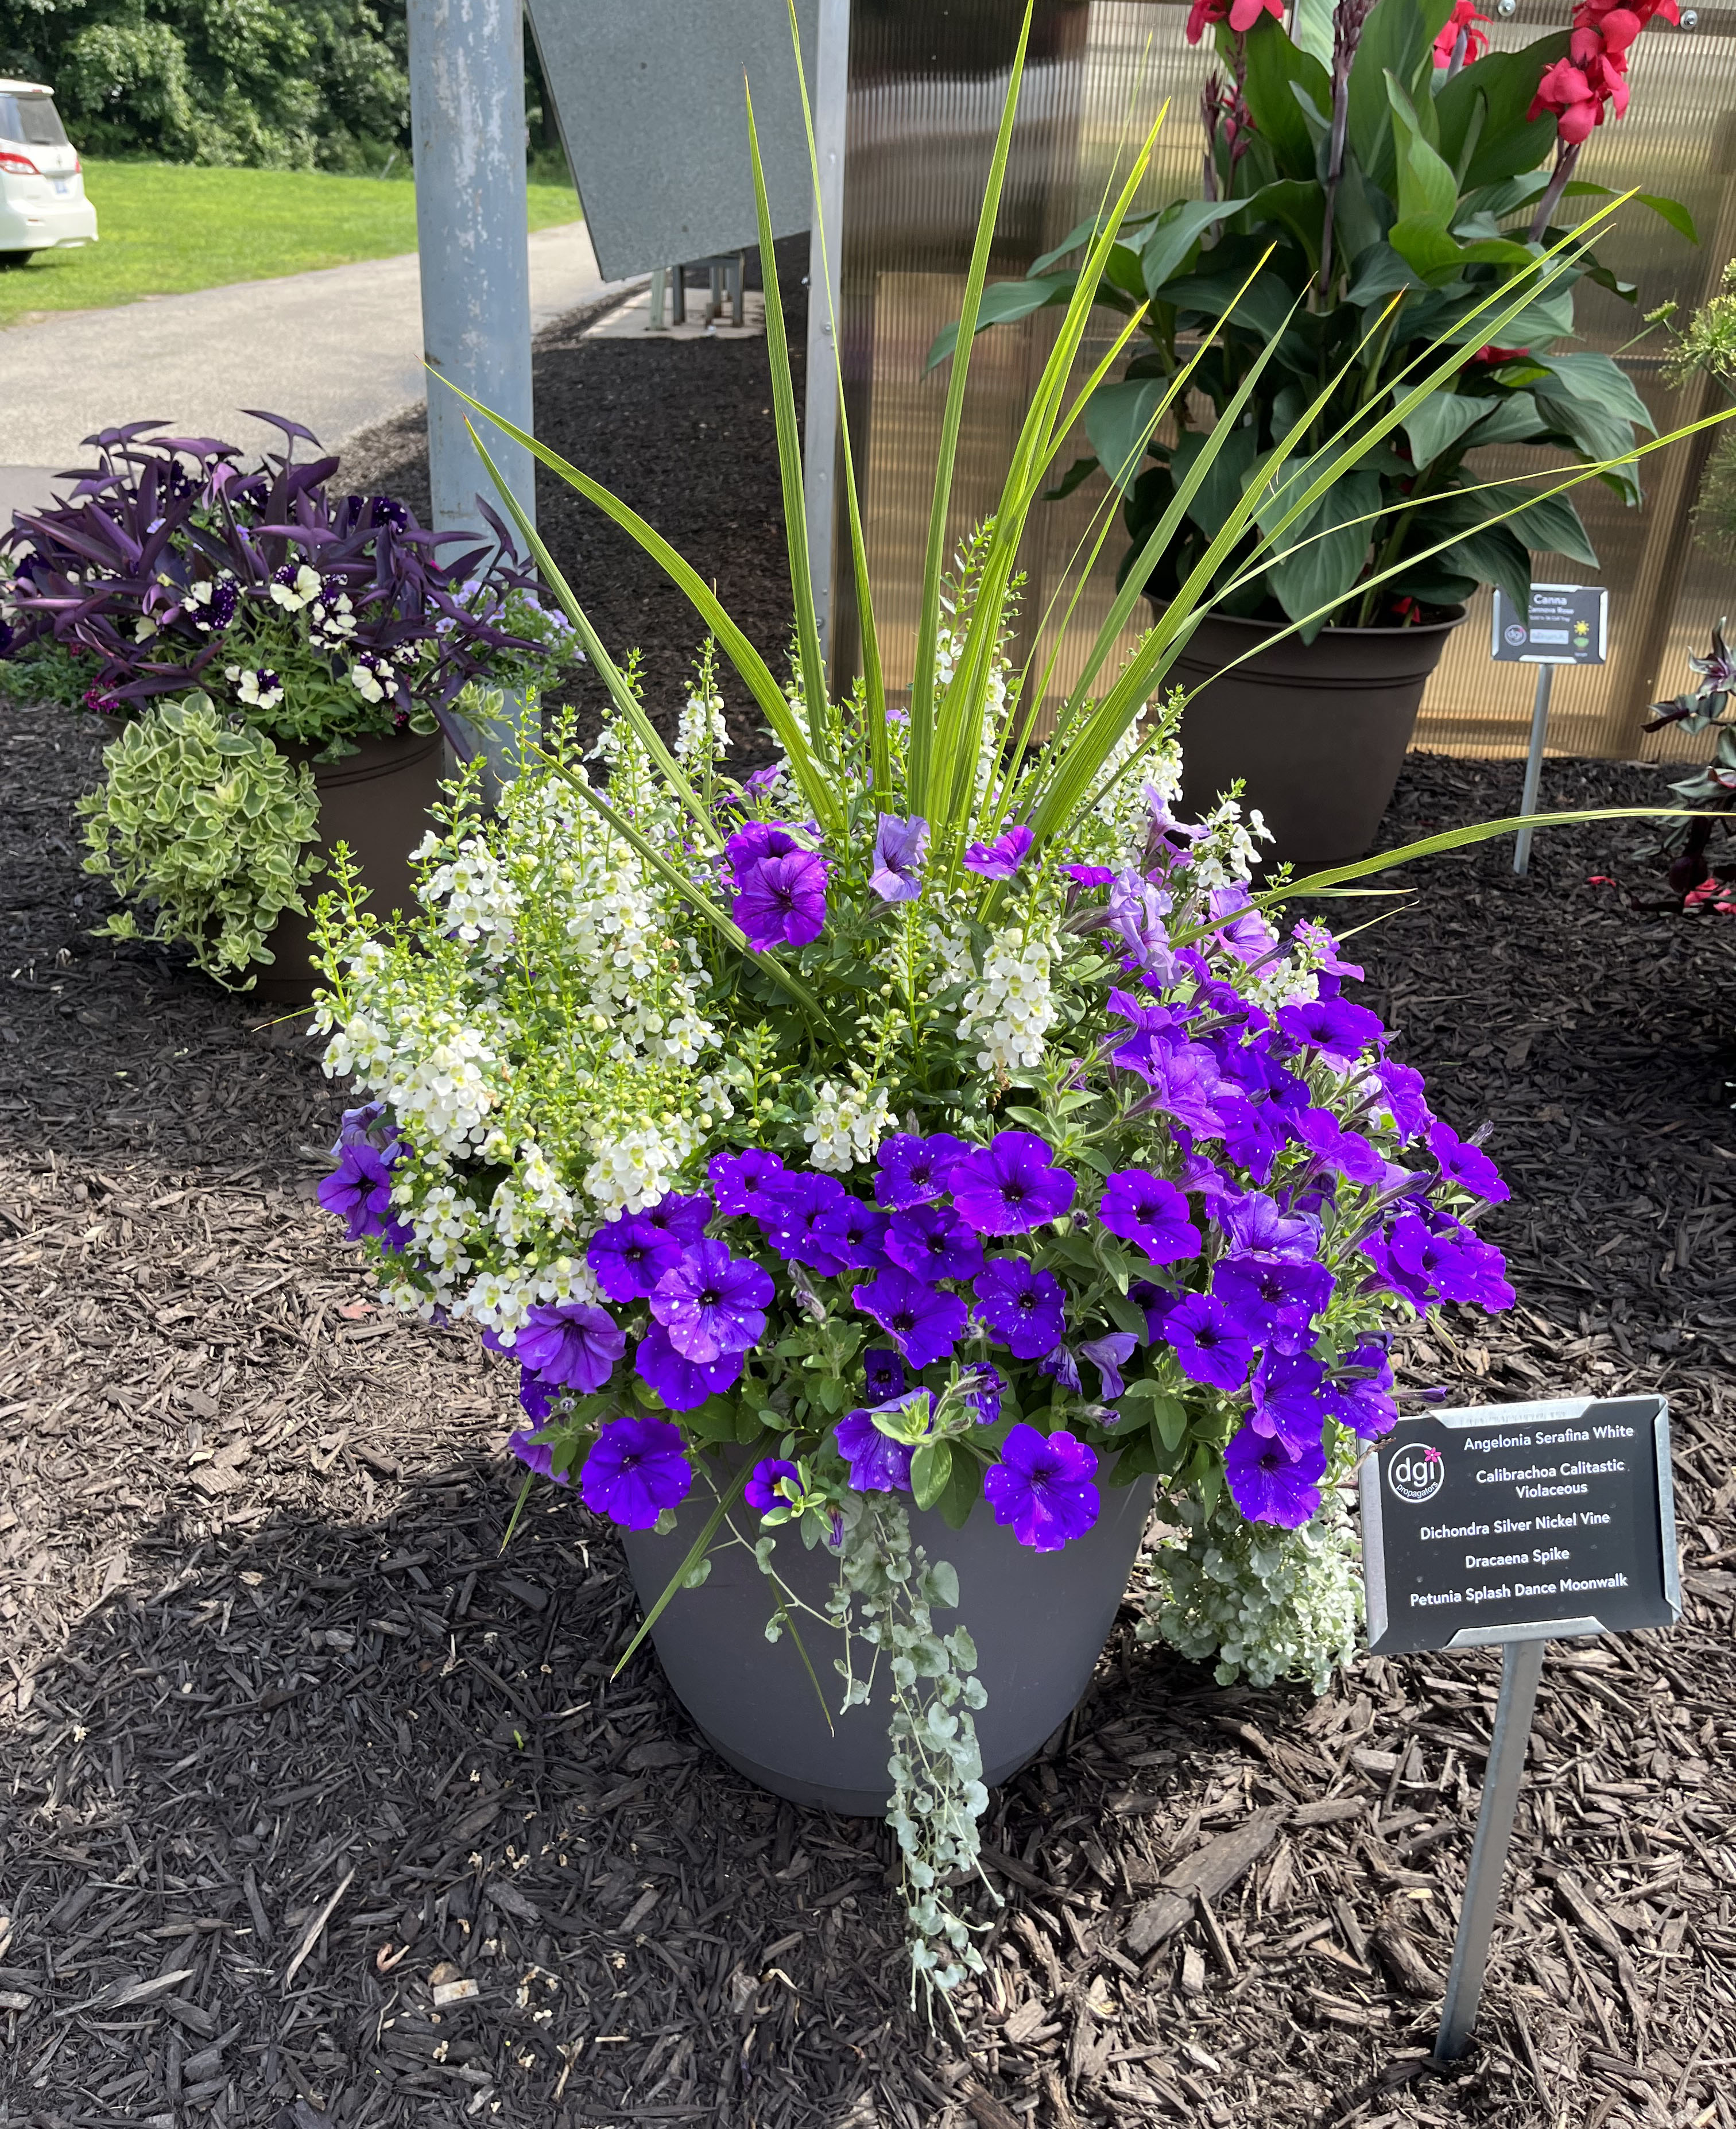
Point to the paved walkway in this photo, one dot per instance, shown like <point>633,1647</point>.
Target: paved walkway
<point>336,350</point>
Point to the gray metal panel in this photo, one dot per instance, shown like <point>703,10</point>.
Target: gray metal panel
<point>648,97</point>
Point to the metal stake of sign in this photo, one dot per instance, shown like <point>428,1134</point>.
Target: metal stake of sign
<point>1534,765</point>
<point>1522,1664</point>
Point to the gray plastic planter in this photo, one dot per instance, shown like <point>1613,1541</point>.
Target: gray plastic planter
<point>1038,1619</point>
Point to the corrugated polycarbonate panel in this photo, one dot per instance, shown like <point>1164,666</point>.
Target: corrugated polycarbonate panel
<point>925,97</point>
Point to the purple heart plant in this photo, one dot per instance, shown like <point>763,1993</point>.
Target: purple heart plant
<point>938,1120</point>
<point>313,616</point>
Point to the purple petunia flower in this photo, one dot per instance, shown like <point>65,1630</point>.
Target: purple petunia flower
<point>792,1224</point>
<point>713,1304</point>
<point>1466,1165</point>
<point>1253,1133</point>
<point>537,1456</point>
<point>636,1468</point>
<point>1421,1263</point>
<point>1000,858</point>
<point>571,1343</point>
<point>749,848</point>
<point>1272,1299</point>
<point>878,1464</point>
<point>913,1171</point>
<point>1338,1029</point>
<point>742,1182</point>
<point>1059,1362</point>
<point>923,1323</point>
<point>1287,1399</point>
<point>1255,1222</point>
<point>1136,911</point>
<point>359,1190</point>
<point>782,901</point>
<point>681,1219</point>
<point>1210,1346</point>
<point>1339,1151</point>
<point>1023,1306</point>
<point>1089,876</point>
<point>933,1242</point>
<point>884,1373</point>
<point>536,1396</point>
<point>1360,1397</point>
<point>853,1233</point>
<point>900,849</point>
<point>682,1384</point>
<point>358,1126</point>
<point>983,1386</point>
<point>1109,1354</point>
<point>769,1483</point>
<point>1185,1082</point>
<point>629,1255</point>
<point>1142,1208</point>
<point>1011,1186</point>
<point>1401,1094</point>
<point>1267,1483</point>
<point>1042,1488</point>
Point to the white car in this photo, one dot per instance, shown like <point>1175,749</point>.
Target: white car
<point>42,202</point>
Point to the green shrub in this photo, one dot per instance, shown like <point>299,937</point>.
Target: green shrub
<point>210,824</point>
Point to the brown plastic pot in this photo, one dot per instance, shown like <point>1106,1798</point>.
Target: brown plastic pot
<point>1316,731</point>
<point>1038,1619</point>
<point>377,800</point>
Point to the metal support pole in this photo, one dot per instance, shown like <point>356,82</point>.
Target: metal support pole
<point>1522,1664</point>
<point>660,282</point>
<point>738,283</point>
<point>679,294</point>
<point>829,93</point>
<point>467,105</point>
<point>716,311</point>
<point>1534,765</point>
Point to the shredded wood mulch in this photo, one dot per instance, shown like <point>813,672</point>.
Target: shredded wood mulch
<point>318,1809</point>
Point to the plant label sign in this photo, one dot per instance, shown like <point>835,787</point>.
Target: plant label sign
<point>1519,1522</point>
<point>1567,625</point>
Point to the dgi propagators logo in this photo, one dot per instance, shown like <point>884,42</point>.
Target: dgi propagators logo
<point>1416,1473</point>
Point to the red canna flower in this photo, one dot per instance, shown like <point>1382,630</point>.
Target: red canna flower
<point>1241,15</point>
<point>1463,20</point>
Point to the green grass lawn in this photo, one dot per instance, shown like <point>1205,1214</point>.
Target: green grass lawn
<point>166,228</point>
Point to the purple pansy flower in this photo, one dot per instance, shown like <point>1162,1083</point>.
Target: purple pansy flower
<point>1023,1306</point>
<point>359,1190</point>
<point>571,1343</point>
<point>900,848</point>
<point>1211,1347</point>
<point>878,1464</point>
<point>682,1384</point>
<point>713,1304</point>
<point>933,1242</point>
<point>883,1371</point>
<point>923,1322</point>
<point>782,901</point>
<point>1142,1208</point>
<point>1042,1487</point>
<point>913,1171</point>
<point>537,1456</point>
<point>770,1485</point>
<point>629,1255</point>
<point>636,1468</point>
<point>742,1182</point>
<point>1268,1484</point>
<point>1011,1186</point>
<point>1466,1164</point>
<point>1109,1354</point>
<point>1000,858</point>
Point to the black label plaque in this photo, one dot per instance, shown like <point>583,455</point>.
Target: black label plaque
<point>1567,625</point>
<point>1518,1522</point>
